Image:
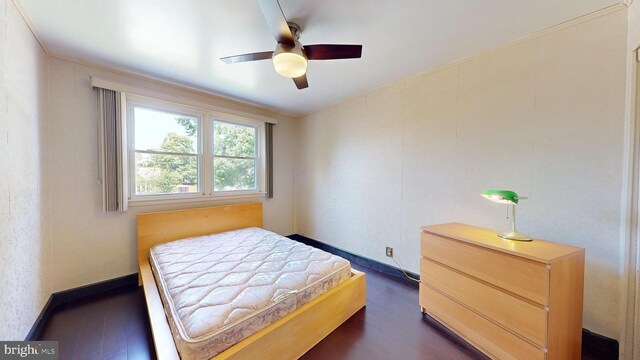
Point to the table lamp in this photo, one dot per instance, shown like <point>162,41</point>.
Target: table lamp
<point>510,198</point>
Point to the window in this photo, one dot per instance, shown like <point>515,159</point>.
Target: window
<point>235,156</point>
<point>178,152</point>
<point>166,152</point>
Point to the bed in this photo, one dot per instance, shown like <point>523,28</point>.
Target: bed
<point>289,337</point>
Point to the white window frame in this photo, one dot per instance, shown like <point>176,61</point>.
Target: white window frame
<point>206,118</point>
<point>260,150</point>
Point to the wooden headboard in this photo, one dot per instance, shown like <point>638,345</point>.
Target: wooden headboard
<point>160,227</point>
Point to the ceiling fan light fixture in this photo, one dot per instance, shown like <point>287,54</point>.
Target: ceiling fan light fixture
<point>290,58</point>
<point>290,61</point>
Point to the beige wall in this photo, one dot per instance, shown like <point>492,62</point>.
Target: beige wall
<point>91,245</point>
<point>634,25</point>
<point>630,246</point>
<point>25,262</point>
<point>544,117</point>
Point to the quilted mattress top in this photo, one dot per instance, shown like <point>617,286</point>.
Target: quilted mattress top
<point>212,282</point>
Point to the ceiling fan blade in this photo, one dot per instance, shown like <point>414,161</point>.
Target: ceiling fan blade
<point>331,52</point>
<point>248,57</point>
<point>272,12</point>
<point>301,82</point>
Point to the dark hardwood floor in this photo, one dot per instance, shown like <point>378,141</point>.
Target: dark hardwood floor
<point>111,326</point>
<point>115,326</point>
<point>390,327</point>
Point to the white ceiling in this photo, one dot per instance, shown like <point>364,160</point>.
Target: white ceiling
<point>182,40</point>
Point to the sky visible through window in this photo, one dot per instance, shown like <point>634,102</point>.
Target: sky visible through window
<point>152,127</point>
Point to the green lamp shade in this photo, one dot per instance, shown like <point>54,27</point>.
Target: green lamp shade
<point>510,198</point>
<point>501,196</point>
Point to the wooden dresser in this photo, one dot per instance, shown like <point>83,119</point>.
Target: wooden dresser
<point>509,299</point>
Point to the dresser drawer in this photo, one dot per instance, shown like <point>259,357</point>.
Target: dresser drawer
<point>515,314</point>
<point>524,277</point>
<point>489,337</point>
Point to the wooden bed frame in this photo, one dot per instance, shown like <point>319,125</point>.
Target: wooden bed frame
<point>287,338</point>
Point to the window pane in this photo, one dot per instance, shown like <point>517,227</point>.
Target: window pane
<point>234,174</point>
<point>234,140</point>
<point>165,131</point>
<point>166,174</point>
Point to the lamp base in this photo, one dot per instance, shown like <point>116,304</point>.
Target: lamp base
<point>515,236</point>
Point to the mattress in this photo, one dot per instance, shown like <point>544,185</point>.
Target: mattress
<point>219,289</point>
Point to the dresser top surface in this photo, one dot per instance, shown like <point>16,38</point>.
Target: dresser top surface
<point>537,250</point>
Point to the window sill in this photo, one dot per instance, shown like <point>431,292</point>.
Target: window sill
<point>179,199</point>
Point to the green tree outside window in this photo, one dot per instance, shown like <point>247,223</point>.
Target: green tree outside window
<point>234,160</point>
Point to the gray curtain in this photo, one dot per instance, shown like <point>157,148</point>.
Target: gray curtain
<point>269,146</point>
<point>112,150</point>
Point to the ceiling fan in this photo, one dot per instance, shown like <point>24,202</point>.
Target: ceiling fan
<point>290,57</point>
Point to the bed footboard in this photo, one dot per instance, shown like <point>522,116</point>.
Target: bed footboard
<point>287,338</point>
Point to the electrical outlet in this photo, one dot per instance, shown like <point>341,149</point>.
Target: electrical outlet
<point>389,252</point>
